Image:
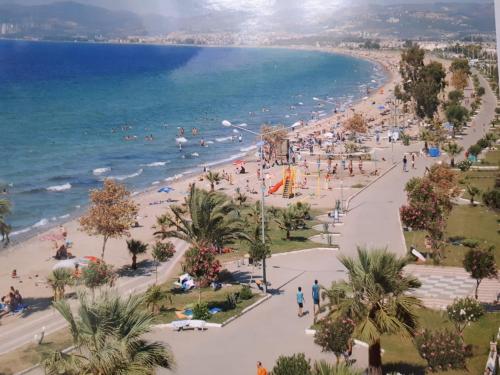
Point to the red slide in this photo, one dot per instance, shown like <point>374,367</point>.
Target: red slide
<point>275,188</point>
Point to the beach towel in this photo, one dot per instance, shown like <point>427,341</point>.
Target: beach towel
<point>166,189</point>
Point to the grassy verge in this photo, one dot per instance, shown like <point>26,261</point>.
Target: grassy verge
<point>477,223</point>
<point>478,335</point>
<point>31,354</point>
<point>212,298</point>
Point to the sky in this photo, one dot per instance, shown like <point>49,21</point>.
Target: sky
<point>259,7</point>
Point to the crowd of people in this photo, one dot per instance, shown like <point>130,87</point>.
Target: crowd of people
<point>12,301</point>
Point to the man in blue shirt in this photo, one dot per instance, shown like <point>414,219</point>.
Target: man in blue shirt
<point>315,297</point>
<point>300,301</point>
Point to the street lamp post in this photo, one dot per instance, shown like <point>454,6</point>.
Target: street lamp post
<point>263,186</point>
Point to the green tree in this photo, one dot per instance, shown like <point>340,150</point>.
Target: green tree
<point>286,219</point>
<point>59,279</point>
<point>455,96</point>
<point>335,336</point>
<point>296,364</point>
<point>162,251</point>
<point>443,350</point>
<point>108,338</point>
<point>136,247</point>
<point>201,263</point>
<point>457,116</point>
<point>472,191</point>
<point>241,198</point>
<point>376,298</point>
<point>481,265</point>
<point>453,149</point>
<point>96,275</point>
<point>460,64</point>
<point>211,220</point>
<point>214,178</point>
<point>155,297</point>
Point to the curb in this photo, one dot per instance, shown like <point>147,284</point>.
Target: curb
<point>226,322</point>
<point>370,184</point>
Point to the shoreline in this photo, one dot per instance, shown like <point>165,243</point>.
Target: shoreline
<point>23,235</point>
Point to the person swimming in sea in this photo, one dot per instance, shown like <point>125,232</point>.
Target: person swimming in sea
<point>202,142</point>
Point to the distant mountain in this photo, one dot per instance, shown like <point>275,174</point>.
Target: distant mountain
<point>382,18</point>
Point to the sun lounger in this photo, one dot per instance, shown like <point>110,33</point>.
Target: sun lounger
<point>179,325</point>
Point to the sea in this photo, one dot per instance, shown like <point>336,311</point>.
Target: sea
<point>73,114</point>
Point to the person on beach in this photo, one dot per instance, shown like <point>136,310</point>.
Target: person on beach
<point>260,369</point>
<point>351,172</point>
<point>300,301</point>
<point>412,160</point>
<point>405,162</point>
<point>315,297</point>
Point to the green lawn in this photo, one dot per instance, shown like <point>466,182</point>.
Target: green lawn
<point>478,335</point>
<point>212,298</point>
<point>478,223</point>
<point>31,354</point>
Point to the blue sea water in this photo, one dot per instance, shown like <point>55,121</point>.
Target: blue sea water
<point>63,107</point>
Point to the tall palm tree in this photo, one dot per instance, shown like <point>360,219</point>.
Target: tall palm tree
<point>286,219</point>
<point>108,339</point>
<point>453,149</point>
<point>376,298</point>
<point>59,279</point>
<point>154,298</point>
<point>209,218</point>
<point>213,178</point>
<point>136,247</point>
<point>4,227</point>
<point>473,191</point>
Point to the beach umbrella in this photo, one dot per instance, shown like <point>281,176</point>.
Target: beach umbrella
<point>70,263</point>
<point>239,162</point>
<point>226,123</point>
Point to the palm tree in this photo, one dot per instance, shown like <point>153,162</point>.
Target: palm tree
<point>324,368</point>
<point>108,339</point>
<point>240,197</point>
<point>59,279</point>
<point>154,298</point>
<point>376,298</point>
<point>212,220</point>
<point>473,191</point>
<point>287,219</point>
<point>136,247</point>
<point>453,149</point>
<point>213,178</point>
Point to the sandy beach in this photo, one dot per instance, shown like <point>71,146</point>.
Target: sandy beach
<point>33,258</point>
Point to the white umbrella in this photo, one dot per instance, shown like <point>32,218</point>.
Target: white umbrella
<point>70,263</point>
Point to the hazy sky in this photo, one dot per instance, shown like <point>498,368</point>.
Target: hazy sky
<point>174,7</point>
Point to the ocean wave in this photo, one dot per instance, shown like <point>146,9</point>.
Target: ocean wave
<point>40,223</point>
<point>20,231</point>
<point>99,171</point>
<point>249,148</point>
<point>209,142</point>
<point>64,216</point>
<point>222,161</point>
<point>126,177</point>
<point>58,188</point>
<point>156,164</point>
<point>223,139</point>
<point>155,183</point>
<point>195,154</point>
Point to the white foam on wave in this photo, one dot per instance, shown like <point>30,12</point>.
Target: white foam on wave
<point>222,161</point>
<point>40,223</point>
<point>155,183</point>
<point>21,231</point>
<point>249,148</point>
<point>195,154</point>
<point>223,139</point>
<point>99,171</point>
<point>209,142</point>
<point>156,164</point>
<point>58,188</point>
<point>125,177</point>
<point>64,216</point>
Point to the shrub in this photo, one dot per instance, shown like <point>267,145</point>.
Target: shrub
<point>296,364</point>
<point>463,311</point>
<point>201,312</point>
<point>480,91</point>
<point>335,336</point>
<point>464,165</point>
<point>481,265</point>
<point>483,143</point>
<point>232,300</point>
<point>443,350</point>
<point>245,292</point>
<point>475,150</point>
<point>492,198</point>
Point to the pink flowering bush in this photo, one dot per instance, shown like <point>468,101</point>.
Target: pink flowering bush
<point>335,336</point>
<point>443,350</point>
<point>202,264</point>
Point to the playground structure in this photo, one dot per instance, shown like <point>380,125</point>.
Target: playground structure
<point>287,182</point>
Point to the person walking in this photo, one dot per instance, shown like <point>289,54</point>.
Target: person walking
<point>405,162</point>
<point>300,301</point>
<point>315,297</point>
<point>260,369</point>
<point>412,160</point>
